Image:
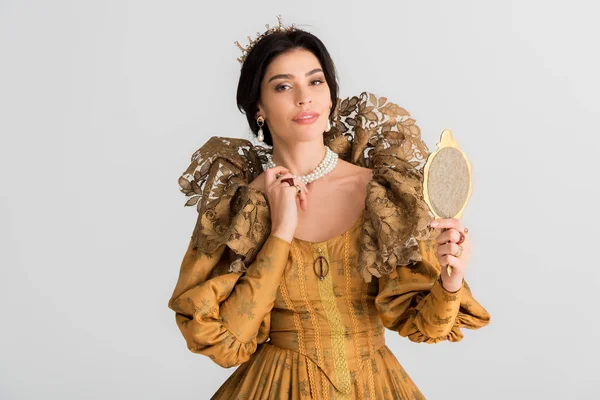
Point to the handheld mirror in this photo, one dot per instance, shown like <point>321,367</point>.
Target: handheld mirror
<point>447,180</point>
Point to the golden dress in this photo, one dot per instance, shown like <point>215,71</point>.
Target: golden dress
<point>246,297</point>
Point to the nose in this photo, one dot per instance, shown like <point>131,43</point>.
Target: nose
<point>303,97</point>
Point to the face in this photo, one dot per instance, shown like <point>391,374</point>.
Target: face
<point>294,83</point>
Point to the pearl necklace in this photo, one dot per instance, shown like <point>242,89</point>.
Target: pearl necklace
<point>326,166</point>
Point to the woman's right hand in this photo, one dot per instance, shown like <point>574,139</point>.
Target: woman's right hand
<point>282,202</point>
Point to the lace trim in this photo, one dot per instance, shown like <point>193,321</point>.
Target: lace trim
<point>311,313</point>
<point>337,329</point>
<point>298,325</point>
<point>350,308</point>
<point>369,341</point>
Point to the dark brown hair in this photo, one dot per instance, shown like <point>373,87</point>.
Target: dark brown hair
<point>259,58</point>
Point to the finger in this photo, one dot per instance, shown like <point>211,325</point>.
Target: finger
<point>296,181</point>
<point>270,174</point>
<point>304,187</point>
<point>303,200</point>
<point>279,179</point>
<point>448,223</point>
<point>448,235</point>
<point>452,261</point>
<point>302,197</point>
<point>283,181</point>
<point>283,176</point>
<point>447,249</point>
<point>286,186</point>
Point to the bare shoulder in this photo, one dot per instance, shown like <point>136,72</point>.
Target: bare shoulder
<point>355,172</point>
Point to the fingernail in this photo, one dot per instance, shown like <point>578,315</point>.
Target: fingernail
<point>434,224</point>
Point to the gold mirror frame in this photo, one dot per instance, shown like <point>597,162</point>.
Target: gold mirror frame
<point>446,141</point>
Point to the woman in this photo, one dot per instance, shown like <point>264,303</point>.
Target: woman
<point>303,253</point>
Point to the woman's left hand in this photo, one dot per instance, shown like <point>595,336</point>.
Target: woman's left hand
<point>451,229</point>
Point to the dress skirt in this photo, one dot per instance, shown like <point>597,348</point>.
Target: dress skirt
<point>276,373</point>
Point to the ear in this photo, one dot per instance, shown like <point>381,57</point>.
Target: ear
<point>260,110</point>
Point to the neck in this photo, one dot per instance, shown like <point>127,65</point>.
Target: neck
<point>300,158</point>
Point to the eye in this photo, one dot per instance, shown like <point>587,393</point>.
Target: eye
<point>279,88</point>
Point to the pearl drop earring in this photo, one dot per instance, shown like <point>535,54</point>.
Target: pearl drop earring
<point>260,121</point>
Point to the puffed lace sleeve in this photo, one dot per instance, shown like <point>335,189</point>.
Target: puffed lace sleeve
<point>230,273</point>
<point>397,245</point>
<point>413,302</point>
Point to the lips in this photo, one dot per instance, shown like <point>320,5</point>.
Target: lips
<point>306,115</point>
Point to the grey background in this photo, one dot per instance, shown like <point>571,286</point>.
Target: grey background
<point>102,103</point>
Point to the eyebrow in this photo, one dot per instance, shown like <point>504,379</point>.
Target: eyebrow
<point>289,76</point>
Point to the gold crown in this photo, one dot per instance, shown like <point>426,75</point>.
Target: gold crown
<point>259,36</point>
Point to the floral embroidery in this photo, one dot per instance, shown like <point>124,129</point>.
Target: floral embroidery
<point>247,307</point>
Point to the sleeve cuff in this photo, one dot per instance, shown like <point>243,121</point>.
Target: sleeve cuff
<point>441,293</point>
<point>280,240</point>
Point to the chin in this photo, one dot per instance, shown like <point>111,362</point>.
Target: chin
<point>308,134</point>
